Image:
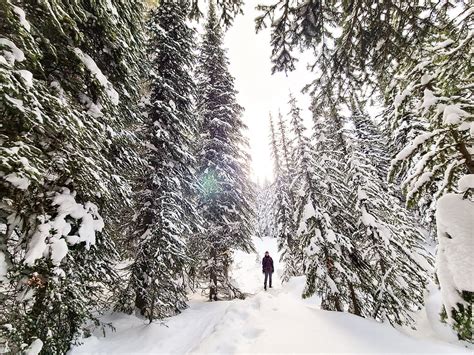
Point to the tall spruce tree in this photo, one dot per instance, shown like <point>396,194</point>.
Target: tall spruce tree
<point>69,80</point>
<point>286,150</point>
<point>391,245</point>
<point>363,43</point>
<point>434,84</point>
<point>165,197</point>
<point>228,10</point>
<point>289,246</point>
<point>283,203</point>
<point>324,221</point>
<point>225,196</point>
<point>265,213</point>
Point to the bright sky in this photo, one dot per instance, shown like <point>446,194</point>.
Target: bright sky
<point>259,91</point>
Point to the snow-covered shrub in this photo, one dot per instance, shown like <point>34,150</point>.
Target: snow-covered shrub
<point>455,261</point>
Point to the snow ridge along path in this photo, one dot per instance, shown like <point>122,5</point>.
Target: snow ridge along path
<point>276,321</point>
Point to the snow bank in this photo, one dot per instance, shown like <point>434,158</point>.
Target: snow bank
<point>273,322</point>
<point>428,323</point>
<point>455,264</point>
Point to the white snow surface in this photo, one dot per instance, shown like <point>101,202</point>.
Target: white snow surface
<point>455,264</point>
<point>95,70</point>
<point>34,348</point>
<point>14,54</point>
<point>21,183</point>
<point>48,239</point>
<point>276,321</point>
<point>466,182</point>
<point>3,267</point>
<point>27,77</point>
<point>22,17</point>
<point>429,99</point>
<point>453,114</point>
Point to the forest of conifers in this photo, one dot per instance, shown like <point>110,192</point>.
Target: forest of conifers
<point>125,172</point>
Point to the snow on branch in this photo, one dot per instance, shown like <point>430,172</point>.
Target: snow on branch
<point>53,234</point>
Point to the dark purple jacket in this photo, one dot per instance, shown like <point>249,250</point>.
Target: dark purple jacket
<point>267,264</point>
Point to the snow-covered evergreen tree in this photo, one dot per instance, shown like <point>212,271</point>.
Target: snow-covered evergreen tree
<point>387,235</point>
<point>68,91</point>
<point>323,215</point>
<point>165,207</point>
<point>286,151</point>
<point>228,10</point>
<point>225,193</point>
<point>435,87</point>
<point>284,202</point>
<point>454,263</point>
<point>418,56</point>
<point>362,44</point>
<point>265,213</point>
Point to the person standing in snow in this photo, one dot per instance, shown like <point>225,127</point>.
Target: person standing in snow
<point>267,269</point>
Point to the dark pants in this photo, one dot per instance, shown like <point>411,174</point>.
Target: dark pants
<point>268,276</point>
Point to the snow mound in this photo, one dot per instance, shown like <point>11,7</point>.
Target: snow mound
<point>455,226</point>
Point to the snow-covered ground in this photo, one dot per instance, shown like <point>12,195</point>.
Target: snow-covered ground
<point>276,321</point>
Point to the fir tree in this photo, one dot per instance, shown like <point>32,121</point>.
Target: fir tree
<point>287,150</point>
<point>388,47</point>
<point>224,201</point>
<point>363,42</point>
<point>433,85</point>
<point>228,10</point>
<point>323,217</point>
<point>283,203</point>
<point>165,206</point>
<point>69,80</point>
<point>386,232</point>
<point>290,244</point>
<point>265,213</point>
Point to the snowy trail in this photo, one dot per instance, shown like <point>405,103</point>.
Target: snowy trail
<point>277,321</point>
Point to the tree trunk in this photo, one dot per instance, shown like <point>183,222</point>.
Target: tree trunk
<point>461,146</point>
<point>355,303</point>
<point>141,304</point>
<point>213,276</point>
<point>334,299</point>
